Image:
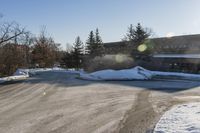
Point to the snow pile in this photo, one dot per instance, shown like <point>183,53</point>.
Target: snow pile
<point>126,74</point>
<point>20,74</point>
<point>134,74</point>
<point>180,119</point>
<point>34,71</point>
<point>54,69</point>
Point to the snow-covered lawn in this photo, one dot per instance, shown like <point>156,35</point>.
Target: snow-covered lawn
<point>183,118</point>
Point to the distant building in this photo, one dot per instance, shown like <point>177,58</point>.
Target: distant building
<point>118,47</point>
<point>178,53</point>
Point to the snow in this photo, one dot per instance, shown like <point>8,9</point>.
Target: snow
<point>183,118</point>
<point>126,74</point>
<point>134,74</point>
<point>22,74</point>
<point>19,75</point>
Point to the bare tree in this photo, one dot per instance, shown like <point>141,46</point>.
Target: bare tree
<point>14,52</point>
<point>45,51</point>
<point>9,31</point>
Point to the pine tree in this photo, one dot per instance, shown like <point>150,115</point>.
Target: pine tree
<point>140,34</point>
<point>77,52</point>
<point>130,34</point>
<point>137,34</point>
<point>94,44</point>
<point>90,44</point>
<point>67,59</point>
<point>98,44</point>
<point>142,45</point>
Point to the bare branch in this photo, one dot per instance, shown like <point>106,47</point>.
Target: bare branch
<point>7,39</point>
<point>10,31</point>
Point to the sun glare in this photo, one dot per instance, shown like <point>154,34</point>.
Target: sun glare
<point>142,48</point>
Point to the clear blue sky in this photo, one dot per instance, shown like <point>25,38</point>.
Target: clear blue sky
<point>65,19</point>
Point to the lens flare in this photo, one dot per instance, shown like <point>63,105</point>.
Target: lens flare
<point>119,58</point>
<point>142,48</point>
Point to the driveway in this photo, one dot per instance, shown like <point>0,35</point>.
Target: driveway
<point>55,102</point>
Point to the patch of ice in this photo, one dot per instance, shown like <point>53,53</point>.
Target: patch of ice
<point>183,118</point>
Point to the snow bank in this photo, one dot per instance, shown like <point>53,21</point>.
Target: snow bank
<point>135,73</point>
<point>180,119</point>
<point>126,74</point>
<point>54,69</point>
<point>20,74</point>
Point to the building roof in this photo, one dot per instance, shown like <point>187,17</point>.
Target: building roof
<point>178,40</point>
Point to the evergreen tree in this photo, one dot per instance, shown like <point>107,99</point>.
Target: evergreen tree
<point>90,44</point>
<point>140,34</point>
<point>94,44</point>
<point>77,52</point>
<point>130,34</point>
<point>67,59</point>
<point>143,46</point>
<point>98,44</point>
<point>138,37</point>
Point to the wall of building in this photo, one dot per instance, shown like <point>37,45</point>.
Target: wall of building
<point>189,44</point>
<point>109,61</point>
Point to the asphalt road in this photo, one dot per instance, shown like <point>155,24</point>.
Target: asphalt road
<point>53,102</point>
